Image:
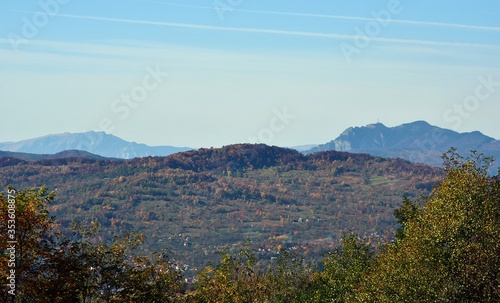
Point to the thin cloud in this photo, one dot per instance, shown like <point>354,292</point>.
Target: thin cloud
<point>203,27</point>
<point>412,22</point>
<point>274,31</point>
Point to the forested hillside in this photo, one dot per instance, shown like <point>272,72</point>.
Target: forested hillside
<point>446,249</point>
<point>196,202</point>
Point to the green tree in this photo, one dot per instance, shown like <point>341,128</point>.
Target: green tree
<point>119,275</point>
<point>51,267</point>
<point>407,211</point>
<point>343,271</point>
<point>237,279</point>
<point>450,251</point>
<point>233,280</point>
<point>289,280</point>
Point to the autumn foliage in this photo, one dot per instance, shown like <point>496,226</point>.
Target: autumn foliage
<point>446,249</point>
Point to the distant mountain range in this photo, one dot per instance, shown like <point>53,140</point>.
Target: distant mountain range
<point>13,158</point>
<point>417,142</point>
<point>304,148</point>
<point>97,143</point>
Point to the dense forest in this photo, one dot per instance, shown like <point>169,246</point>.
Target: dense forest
<point>446,249</point>
<point>196,203</point>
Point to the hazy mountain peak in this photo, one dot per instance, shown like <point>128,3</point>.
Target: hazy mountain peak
<point>416,141</point>
<point>99,143</point>
<point>376,125</point>
<point>347,132</point>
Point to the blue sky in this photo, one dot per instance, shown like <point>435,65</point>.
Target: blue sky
<point>279,72</point>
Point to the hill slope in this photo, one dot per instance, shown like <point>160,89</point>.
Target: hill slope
<point>196,202</point>
<point>98,143</point>
<point>417,142</point>
<point>12,158</point>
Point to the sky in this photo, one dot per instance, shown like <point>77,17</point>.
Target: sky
<point>205,73</point>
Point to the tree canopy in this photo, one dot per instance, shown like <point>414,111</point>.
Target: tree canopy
<point>447,249</point>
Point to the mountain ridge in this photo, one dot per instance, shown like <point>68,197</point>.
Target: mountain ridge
<point>418,142</point>
<point>97,143</point>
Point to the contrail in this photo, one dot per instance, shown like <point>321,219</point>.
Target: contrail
<point>412,22</point>
<point>272,31</point>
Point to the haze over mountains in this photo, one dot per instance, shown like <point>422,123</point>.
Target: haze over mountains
<point>15,157</point>
<point>98,143</point>
<point>198,201</point>
<point>417,142</point>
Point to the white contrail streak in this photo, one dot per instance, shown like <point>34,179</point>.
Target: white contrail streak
<point>421,23</point>
<point>271,31</point>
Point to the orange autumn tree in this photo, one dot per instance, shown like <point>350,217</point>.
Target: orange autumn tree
<point>50,267</point>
